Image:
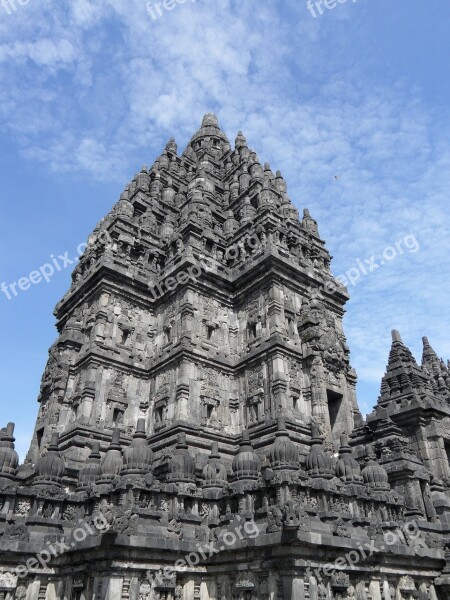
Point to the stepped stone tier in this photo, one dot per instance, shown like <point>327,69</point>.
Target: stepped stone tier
<point>198,434</point>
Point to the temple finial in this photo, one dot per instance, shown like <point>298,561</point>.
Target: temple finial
<point>396,337</point>
<point>429,357</point>
<point>309,223</point>
<point>240,140</point>
<point>171,146</point>
<point>210,120</point>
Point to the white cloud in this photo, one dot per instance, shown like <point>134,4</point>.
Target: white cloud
<point>44,52</point>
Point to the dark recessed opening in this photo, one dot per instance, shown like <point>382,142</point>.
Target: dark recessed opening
<point>447,451</point>
<point>252,330</point>
<point>39,436</point>
<point>159,414</point>
<point>334,407</point>
<point>117,415</point>
<point>124,337</point>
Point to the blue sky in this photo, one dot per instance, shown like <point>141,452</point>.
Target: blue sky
<point>91,90</point>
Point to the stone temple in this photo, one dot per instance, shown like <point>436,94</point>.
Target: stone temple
<point>198,434</point>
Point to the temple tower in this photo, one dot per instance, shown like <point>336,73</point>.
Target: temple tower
<point>203,304</point>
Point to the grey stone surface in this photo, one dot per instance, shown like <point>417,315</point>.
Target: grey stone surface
<point>199,406</point>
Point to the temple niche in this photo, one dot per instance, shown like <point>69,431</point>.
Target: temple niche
<point>198,434</point>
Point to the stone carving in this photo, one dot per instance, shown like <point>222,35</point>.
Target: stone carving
<point>255,394</point>
<point>56,372</point>
<point>20,593</point>
<point>340,529</point>
<point>244,582</point>
<point>340,580</point>
<point>70,513</point>
<point>179,594</point>
<point>210,394</point>
<point>309,502</point>
<point>47,510</point>
<point>274,519</point>
<point>375,529</point>
<point>51,492</point>
<point>162,390</point>
<point>15,531</point>
<point>163,581</point>
<point>174,529</point>
<point>23,508</point>
<point>117,519</point>
<point>146,591</point>
<point>295,517</point>
<point>54,538</point>
<point>295,375</point>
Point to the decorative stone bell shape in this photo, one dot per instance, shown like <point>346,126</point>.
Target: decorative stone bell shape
<point>210,120</point>
<point>438,496</point>
<point>204,181</point>
<point>9,458</point>
<point>231,224</point>
<point>138,456</point>
<point>240,140</point>
<point>164,160</point>
<point>284,453</point>
<point>143,180</point>
<point>167,229</point>
<point>287,211</point>
<point>248,211</point>
<point>182,465</point>
<point>156,186</point>
<point>319,464</point>
<point>244,179</point>
<point>280,183</point>
<point>268,173</point>
<point>267,198</point>
<point>309,223</point>
<point>374,475</point>
<point>112,461</point>
<point>347,468</point>
<point>124,207</point>
<point>209,136</point>
<point>50,467</point>
<point>246,464</point>
<point>257,172</point>
<point>215,472</point>
<point>234,187</point>
<point>90,472</point>
<point>169,193</point>
<point>171,146</point>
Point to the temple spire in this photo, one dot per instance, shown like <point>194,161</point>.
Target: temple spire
<point>429,356</point>
<point>400,355</point>
<point>403,375</point>
<point>396,337</point>
<point>309,223</point>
